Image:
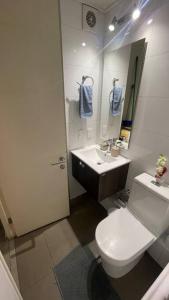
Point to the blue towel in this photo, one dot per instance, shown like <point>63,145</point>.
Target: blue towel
<point>85,101</point>
<point>116,101</point>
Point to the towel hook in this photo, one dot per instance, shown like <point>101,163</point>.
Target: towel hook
<point>86,77</point>
<point>114,81</point>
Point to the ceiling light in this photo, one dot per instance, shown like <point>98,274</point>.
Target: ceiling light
<point>83,44</point>
<point>111,27</point>
<point>149,21</point>
<point>136,14</point>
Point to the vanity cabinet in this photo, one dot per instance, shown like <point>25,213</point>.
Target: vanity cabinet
<point>102,185</point>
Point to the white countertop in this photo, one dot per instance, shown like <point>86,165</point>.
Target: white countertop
<point>100,161</point>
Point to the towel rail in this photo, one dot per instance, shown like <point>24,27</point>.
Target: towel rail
<point>114,81</point>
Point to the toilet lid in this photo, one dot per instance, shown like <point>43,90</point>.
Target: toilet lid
<point>121,237</point>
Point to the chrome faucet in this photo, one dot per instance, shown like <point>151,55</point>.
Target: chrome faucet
<point>110,143</point>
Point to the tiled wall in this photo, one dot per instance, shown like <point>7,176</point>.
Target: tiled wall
<point>150,135</point>
<point>79,61</point>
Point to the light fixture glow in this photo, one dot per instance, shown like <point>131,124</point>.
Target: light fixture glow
<point>83,44</point>
<point>111,27</point>
<point>149,21</point>
<point>136,14</point>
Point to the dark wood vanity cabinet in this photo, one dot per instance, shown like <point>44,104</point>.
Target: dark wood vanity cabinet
<point>102,185</point>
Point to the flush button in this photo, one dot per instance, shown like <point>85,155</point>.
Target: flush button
<point>62,166</point>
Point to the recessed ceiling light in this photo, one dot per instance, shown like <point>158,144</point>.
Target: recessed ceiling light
<point>136,14</point>
<point>149,21</point>
<point>83,44</point>
<point>111,27</point>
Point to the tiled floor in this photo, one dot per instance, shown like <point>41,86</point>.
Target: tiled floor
<point>38,252</point>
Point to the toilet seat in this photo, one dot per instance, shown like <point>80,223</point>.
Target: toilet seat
<point>121,237</point>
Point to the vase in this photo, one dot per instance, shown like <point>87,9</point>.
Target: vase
<point>160,180</point>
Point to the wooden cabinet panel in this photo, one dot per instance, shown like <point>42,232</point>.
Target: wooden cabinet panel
<point>113,181</point>
<point>99,186</point>
<point>86,176</point>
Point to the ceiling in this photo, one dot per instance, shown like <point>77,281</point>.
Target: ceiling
<point>103,5</point>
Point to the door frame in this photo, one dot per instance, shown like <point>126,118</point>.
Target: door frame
<point>4,219</point>
<point>9,279</point>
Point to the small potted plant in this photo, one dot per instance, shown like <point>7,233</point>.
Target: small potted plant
<point>161,169</point>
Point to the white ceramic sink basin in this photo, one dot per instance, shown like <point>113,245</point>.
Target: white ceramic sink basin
<point>98,156</point>
<point>99,160</point>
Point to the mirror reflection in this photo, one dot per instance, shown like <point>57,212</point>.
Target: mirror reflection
<point>121,80</point>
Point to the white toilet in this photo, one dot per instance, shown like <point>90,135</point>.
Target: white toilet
<point>124,236</point>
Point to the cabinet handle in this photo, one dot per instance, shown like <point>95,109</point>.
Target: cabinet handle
<point>81,164</point>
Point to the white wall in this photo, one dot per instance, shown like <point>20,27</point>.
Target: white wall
<point>79,61</point>
<point>150,135</point>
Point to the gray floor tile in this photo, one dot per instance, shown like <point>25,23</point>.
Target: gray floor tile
<point>59,251</point>
<point>69,233</point>
<point>33,265</point>
<point>14,269</point>
<point>60,240</point>
<point>29,241</point>
<point>45,289</point>
<point>4,247</point>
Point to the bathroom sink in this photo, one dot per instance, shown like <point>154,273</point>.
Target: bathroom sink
<point>99,160</point>
<point>97,156</point>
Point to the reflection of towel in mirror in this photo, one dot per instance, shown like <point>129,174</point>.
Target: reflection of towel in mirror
<point>116,101</point>
<point>85,101</point>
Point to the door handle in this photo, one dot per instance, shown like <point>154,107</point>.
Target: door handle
<point>60,161</point>
<point>55,163</point>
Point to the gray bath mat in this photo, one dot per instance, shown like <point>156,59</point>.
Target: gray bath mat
<point>81,277</point>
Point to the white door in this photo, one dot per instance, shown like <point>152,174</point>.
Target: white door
<point>8,288</point>
<point>32,116</point>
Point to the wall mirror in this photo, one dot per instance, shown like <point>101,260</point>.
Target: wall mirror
<point>122,73</point>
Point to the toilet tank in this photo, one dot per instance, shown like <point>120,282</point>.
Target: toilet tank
<point>150,204</point>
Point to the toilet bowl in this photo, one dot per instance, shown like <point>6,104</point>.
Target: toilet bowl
<point>124,236</point>
<point>122,240</point>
